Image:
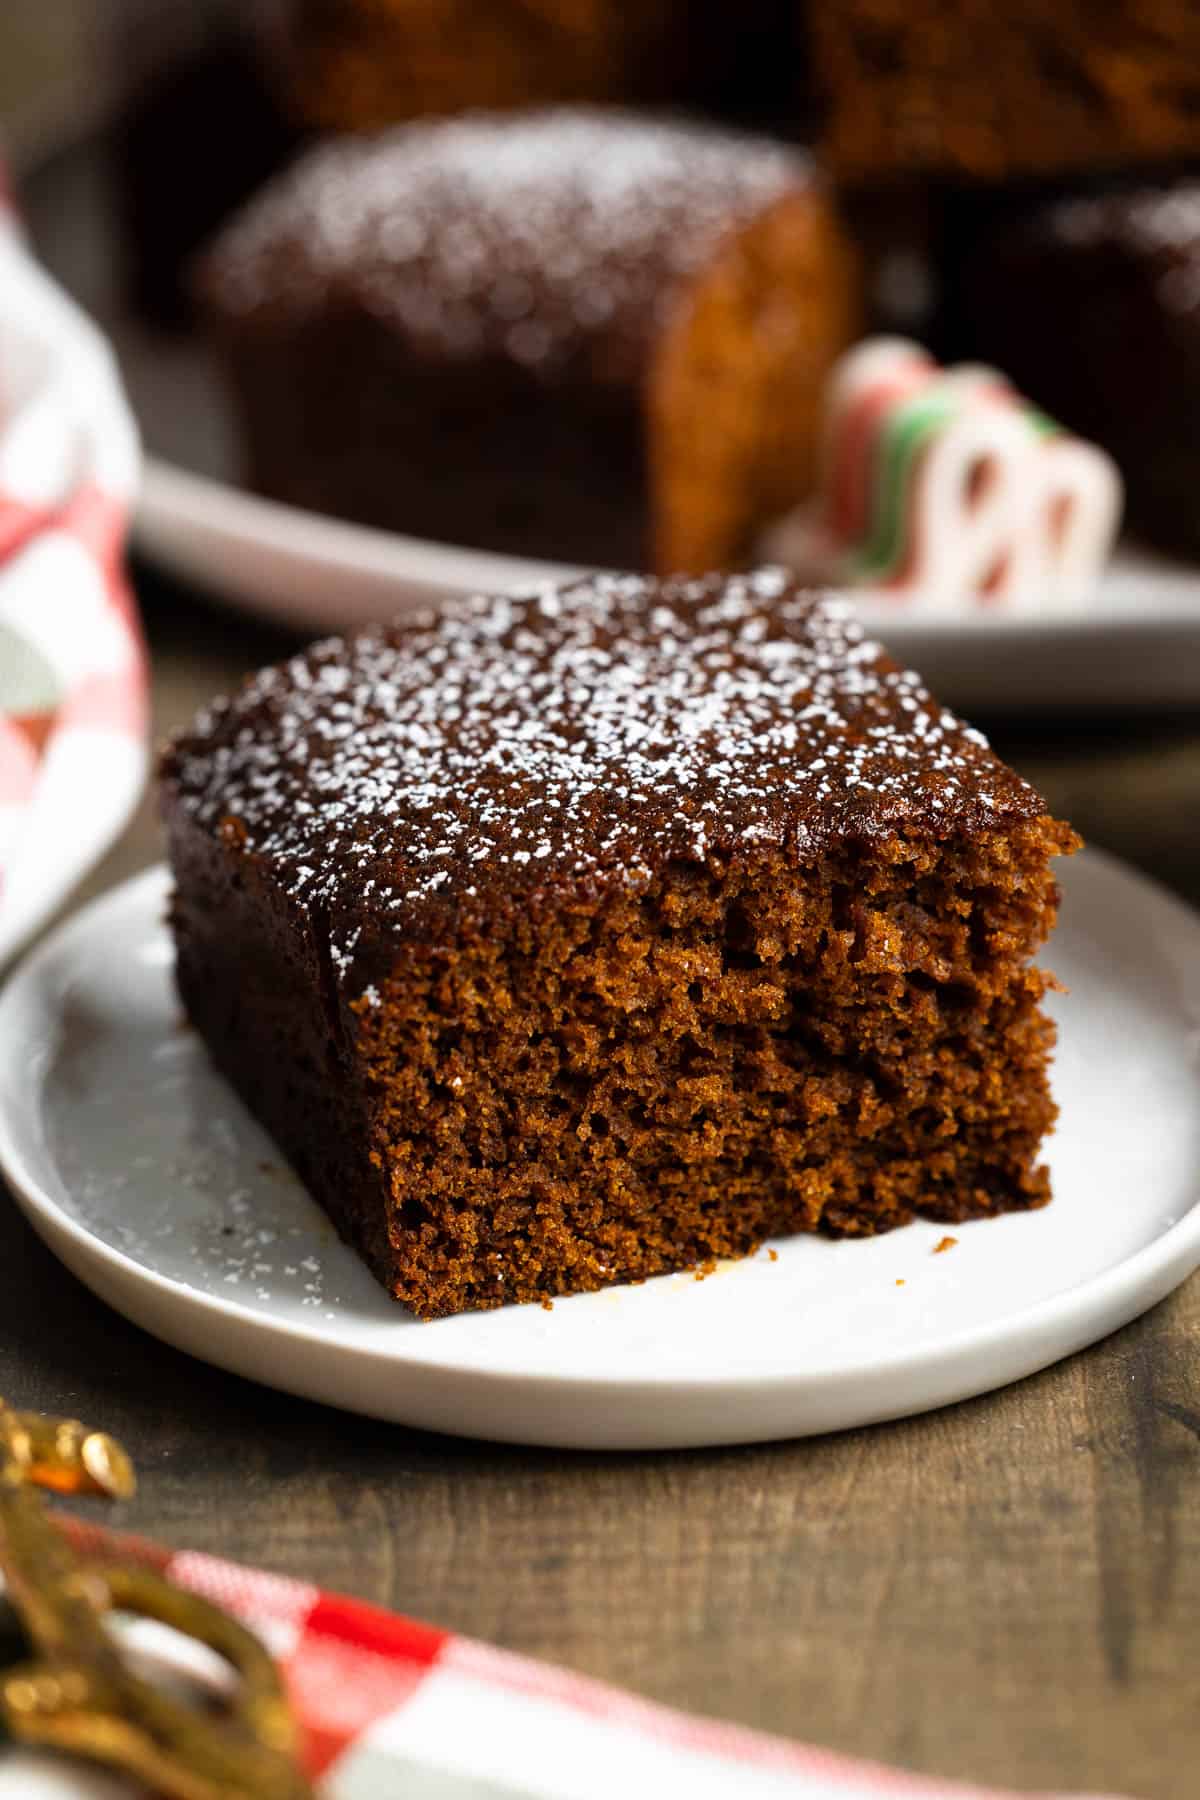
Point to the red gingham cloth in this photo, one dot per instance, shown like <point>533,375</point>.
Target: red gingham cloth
<point>391,1707</point>
<point>72,678</point>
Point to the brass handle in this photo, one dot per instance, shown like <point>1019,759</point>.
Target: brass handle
<point>80,1694</point>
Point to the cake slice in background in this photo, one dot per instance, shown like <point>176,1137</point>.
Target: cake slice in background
<point>573,334</point>
<point>565,939</point>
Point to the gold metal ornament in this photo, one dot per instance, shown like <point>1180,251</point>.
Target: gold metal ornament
<point>80,1693</point>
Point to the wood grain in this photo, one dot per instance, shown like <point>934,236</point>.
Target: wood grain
<point>1007,1590</point>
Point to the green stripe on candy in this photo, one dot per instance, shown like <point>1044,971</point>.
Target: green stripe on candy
<point>1042,423</point>
<point>905,433</point>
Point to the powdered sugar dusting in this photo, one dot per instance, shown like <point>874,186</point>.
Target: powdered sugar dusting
<point>584,736</point>
<point>1160,225</point>
<point>1150,219</point>
<point>526,233</point>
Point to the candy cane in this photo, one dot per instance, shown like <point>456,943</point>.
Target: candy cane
<point>960,509</point>
<point>1075,508</point>
<point>942,485</point>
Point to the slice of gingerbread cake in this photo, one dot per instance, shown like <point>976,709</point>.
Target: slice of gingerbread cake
<point>569,333</point>
<point>565,939</point>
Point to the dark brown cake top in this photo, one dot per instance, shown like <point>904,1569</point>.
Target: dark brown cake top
<point>526,234</point>
<point>506,748</point>
<point>1153,231</point>
<point>1147,220</point>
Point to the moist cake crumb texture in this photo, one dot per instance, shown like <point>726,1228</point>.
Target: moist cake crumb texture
<point>571,937</point>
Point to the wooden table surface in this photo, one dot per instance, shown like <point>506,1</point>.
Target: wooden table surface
<point>1008,1590</point>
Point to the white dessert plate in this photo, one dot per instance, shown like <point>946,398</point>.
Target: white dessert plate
<point>141,1170</point>
<point>1138,644</point>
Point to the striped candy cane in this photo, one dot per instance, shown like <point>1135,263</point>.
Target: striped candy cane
<point>942,485</point>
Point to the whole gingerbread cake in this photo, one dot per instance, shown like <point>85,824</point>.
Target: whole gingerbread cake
<point>574,334</point>
<point>565,939</point>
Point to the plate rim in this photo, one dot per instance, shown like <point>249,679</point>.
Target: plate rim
<point>175,500</point>
<point>1147,1268</point>
<point>110,818</point>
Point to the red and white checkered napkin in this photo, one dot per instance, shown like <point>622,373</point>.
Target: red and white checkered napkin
<point>395,1708</point>
<point>72,679</point>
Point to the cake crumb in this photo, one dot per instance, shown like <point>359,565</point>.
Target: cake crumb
<point>899,1281</point>
<point>946,1243</point>
<point>772,1256</point>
